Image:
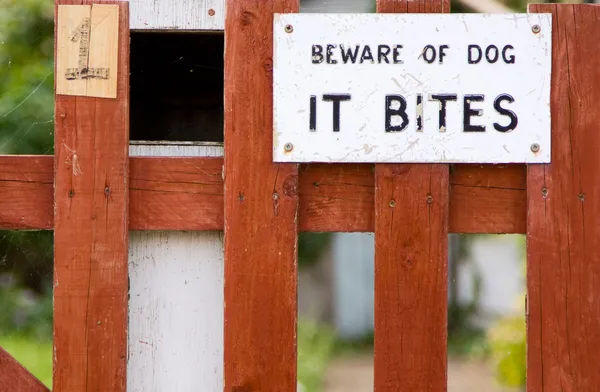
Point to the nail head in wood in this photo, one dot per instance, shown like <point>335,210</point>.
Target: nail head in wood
<point>535,147</point>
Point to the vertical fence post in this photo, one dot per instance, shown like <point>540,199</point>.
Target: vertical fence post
<point>91,196</point>
<point>563,218</point>
<point>261,208</point>
<point>411,262</point>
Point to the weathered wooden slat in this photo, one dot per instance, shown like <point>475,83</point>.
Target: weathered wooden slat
<point>411,262</point>
<point>27,192</point>
<point>261,210</point>
<point>14,377</point>
<point>563,227</point>
<point>166,192</point>
<point>91,231</point>
<point>182,194</point>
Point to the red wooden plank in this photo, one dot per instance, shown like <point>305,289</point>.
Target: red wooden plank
<point>411,263</point>
<point>91,233</point>
<point>15,378</point>
<point>27,192</point>
<point>176,193</point>
<point>261,209</point>
<point>169,193</point>
<point>563,223</point>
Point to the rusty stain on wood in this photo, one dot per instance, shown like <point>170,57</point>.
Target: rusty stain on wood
<point>411,263</point>
<point>14,377</point>
<point>563,228</point>
<point>260,231</point>
<point>181,194</point>
<point>91,231</point>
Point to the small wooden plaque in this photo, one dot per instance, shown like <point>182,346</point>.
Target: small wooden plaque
<point>87,50</point>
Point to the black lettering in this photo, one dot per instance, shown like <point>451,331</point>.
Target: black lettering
<point>443,53</point>
<point>391,111</point>
<point>366,54</point>
<point>431,50</point>
<point>330,48</point>
<point>317,54</point>
<point>383,55</point>
<point>313,113</point>
<point>348,55</point>
<point>470,56</point>
<point>493,59</point>
<point>510,59</point>
<point>336,99</point>
<point>514,121</point>
<point>396,54</point>
<point>468,113</point>
<point>443,99</point>
<point>419,112</point>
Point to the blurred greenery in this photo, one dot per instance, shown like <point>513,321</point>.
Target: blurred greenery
<point>26,76</point>
<point>35,355</point>
<point>315,349</point>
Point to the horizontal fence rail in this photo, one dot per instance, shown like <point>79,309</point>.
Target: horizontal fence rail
<point>175,193</point>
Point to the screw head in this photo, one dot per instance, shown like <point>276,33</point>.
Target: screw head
<point>289,28</point>
<point>536,29</point>
<point>288,147</point>
<point>535,147</point>
<point>429,199</point>
<point>392,203</point>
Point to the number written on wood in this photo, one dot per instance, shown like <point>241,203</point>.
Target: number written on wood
<point>82,35</point>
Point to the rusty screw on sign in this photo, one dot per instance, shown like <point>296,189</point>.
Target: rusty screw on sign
<point>288,147</point>
<point>211,12</point>
<point>535,147</point>
<point>289,28</point>
<point>536,29</point>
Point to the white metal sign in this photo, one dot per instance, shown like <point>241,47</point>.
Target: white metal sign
<point>470,88</point>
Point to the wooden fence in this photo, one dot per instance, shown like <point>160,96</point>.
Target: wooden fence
<point>91,193</point>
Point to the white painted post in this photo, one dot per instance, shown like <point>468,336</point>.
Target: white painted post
<point>176,301</point>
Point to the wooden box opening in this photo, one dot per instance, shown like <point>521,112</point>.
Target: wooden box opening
<point>176,87</point>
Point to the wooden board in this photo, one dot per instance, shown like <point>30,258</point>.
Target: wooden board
<point>27,192</point>
<point>173,15</point>
<point>181,194</point>
<point>563,227</point>
<point>261,211</point>
<point>14,377</point>
<point>87,47</point>
<point>91,234</point>
<point>411,263</point>
<point>176,289</point>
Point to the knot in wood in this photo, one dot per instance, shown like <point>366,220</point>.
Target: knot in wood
<point>290,186</point>
<point>268,65</point>
<point>247,18</point>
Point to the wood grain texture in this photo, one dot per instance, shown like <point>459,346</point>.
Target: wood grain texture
<point>91,234</point>
<point>27,192</point>
<point>15,378</point>
<point>411,263</point>
<point>87,46</point>
<point>563,222</point>
<point>176,285</point>
<point>181,194</point>
<point>176,193</point>
<point>261,211</point>
<point>172,15</point>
